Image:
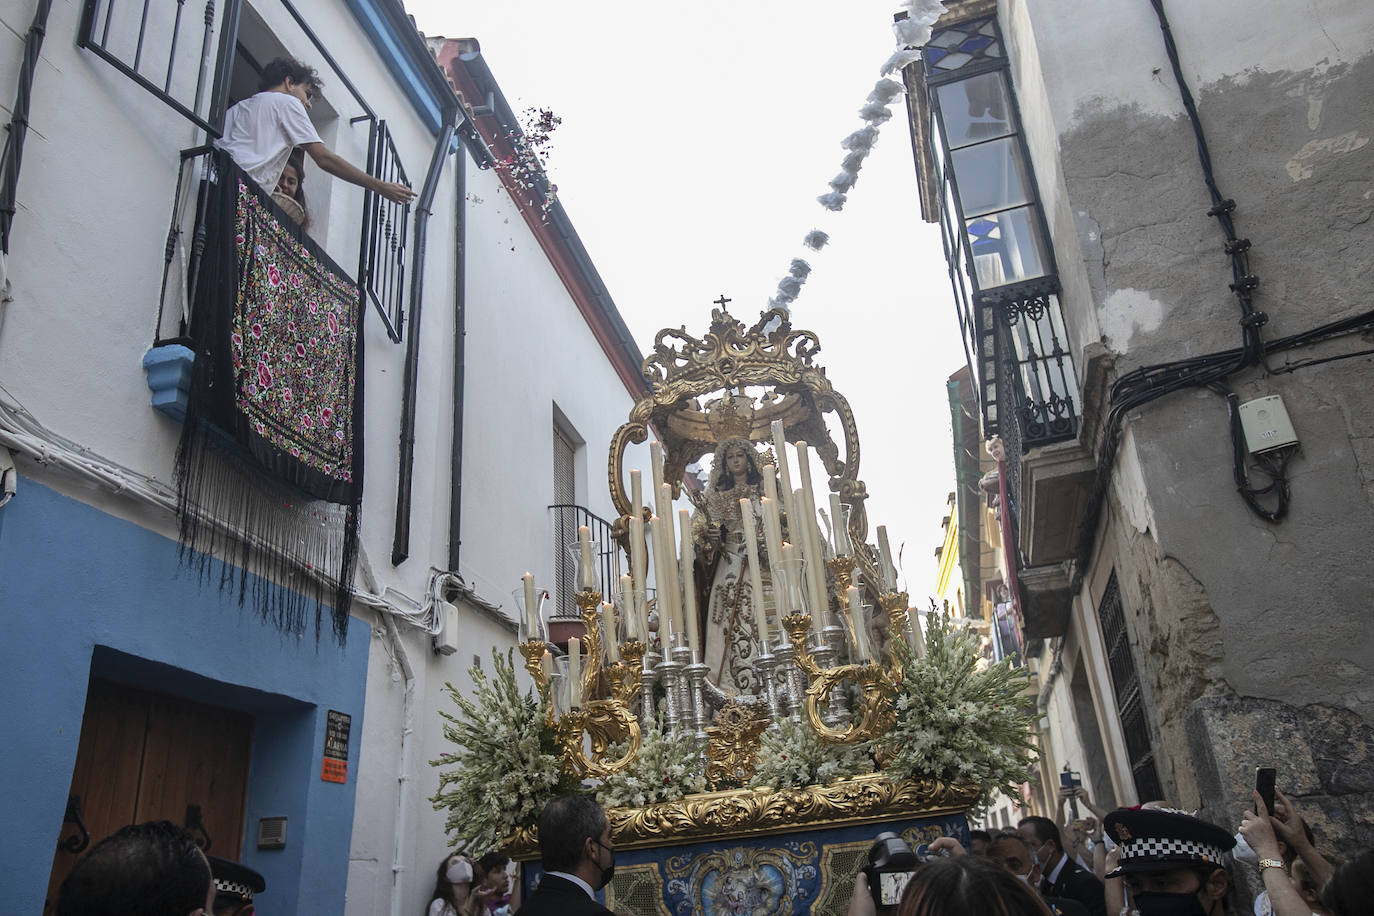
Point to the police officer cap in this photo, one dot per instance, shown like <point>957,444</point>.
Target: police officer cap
<point>1159,839</point>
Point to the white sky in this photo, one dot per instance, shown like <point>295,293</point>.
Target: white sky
<point>695,140</point>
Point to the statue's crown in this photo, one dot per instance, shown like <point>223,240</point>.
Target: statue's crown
<point>730,417</point>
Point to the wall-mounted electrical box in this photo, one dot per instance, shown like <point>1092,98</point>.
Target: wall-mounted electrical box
<point>446,640</point>
<point>1266,425</point>
<point>271,833</point>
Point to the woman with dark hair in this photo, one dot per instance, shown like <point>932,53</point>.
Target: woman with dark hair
<point>1350,889</point>
<point>953,887</point>
<point>453,893</point>
<point>729,634</point>
<point>290,192</point>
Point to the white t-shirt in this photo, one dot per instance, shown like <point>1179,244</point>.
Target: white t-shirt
<point>261,131</point>
<point>441,907</point>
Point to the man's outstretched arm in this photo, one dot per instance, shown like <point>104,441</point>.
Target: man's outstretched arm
<point>339,167</point>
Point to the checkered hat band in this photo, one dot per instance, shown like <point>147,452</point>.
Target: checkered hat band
<point>1165,848</point>
<point>233,887</point>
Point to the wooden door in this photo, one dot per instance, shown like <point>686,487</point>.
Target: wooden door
<point>147,756</point>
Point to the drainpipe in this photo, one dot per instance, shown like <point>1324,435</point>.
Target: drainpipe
<point>460,331</point>
<point>402,826</point>
<point>18,127</point>
<point>400,544</point>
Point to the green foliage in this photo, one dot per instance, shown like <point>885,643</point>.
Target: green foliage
<point>665,769</point>
<point>793,755</point>
<point>957,722</point>
<point>507,765</point>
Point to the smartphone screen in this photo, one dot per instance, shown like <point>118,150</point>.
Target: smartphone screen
<point>1264,785</point>
<point>1070,780</point>
<point>891,886</point>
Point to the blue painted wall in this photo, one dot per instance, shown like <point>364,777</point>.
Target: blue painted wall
<point>83,592</point>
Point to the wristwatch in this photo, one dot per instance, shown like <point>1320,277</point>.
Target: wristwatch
<point>1272,863</point>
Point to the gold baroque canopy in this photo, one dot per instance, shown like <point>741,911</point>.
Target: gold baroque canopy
<point>770,356</point>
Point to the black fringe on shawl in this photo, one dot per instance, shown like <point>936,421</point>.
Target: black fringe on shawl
<point>246,503</point>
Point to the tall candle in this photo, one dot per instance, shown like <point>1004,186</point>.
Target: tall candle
<point>772,531</point>
<point>885,559</point>
<point>814,576</point>
<point>689,588</point>
<point>656,460</point>
<point>670,557</point>
<point>841,530</point>
<point>856,620</point>
<point>784,473</point>
<point>815,555</point>
<point>531,609</point>
<point>789,599</point>
<point>584,542</point>
<point>574,672</point>
<point>746,511</point>
<point>636,492</point>
<point>609,628</point>
<point>638,572</point>
<point>661,573</point>
<point>627,606</point>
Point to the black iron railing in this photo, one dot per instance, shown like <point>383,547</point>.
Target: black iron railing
<point>382,260</point>
<point>566,519</point>
<point>1035,377</point>
<point>168,50</point>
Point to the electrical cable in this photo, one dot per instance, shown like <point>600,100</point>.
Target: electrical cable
<point>1274,464</point>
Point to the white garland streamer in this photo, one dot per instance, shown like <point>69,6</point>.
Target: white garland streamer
<point>911,33</point>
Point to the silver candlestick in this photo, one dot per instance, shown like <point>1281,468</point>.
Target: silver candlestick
<point>647,676</point>
<point>696,676</point>
<point>838,712</point>
<point>671,673</point>
<point>791,677</point>
<point>766,664</point>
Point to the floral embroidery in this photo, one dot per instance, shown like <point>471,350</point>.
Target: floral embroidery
<point>288,299</point>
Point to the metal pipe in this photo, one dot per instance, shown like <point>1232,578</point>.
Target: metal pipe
<point>455,488</point>
<point>400,543</point>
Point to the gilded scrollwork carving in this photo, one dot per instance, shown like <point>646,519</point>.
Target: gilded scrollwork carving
<point>756,812</point>
<point>683,370</point>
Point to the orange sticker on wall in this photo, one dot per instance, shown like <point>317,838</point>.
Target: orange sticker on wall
<point>334,767</point>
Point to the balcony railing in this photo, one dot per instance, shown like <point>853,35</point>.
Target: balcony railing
<point>566,519</point>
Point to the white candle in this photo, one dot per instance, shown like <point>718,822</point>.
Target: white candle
<point>627,607</point>
<point>746,511</point>
<point>784,473</point>
<point>608,620</point>
<point>841,530</point>
<point>656,468</point>
<point>531,609</point>
<point>670,558</point>
<point>574,672</point>
<point>856,620</point>
<point>638,572</point>
<point>814,575</point>
<point>636,492</point>
<point>689,589</point>
<point>789,599</point>
<point>584,541</point>
<point>772,531</point>
<point>665,612</point>
<point>885,558</point>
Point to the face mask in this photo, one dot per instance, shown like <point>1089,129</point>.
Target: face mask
<point>1024,879</point>
<point>608,871</point>
<point>1167,905</point>
<point>459,872</point>
<point>1243,852</point>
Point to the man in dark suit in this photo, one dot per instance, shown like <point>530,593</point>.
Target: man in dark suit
<point>575,849</point>
<point>1012,852</point>
<point>1063,877</point>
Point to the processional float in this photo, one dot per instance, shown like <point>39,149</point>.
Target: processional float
<point>821,619</point>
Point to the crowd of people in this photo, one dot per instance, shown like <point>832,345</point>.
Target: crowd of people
<point>1151,860</point>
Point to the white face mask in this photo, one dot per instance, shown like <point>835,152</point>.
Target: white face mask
<point>1024,879</point>
<point>459,872</point>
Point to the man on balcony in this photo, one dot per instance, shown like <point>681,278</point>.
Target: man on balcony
<point>261,131</point>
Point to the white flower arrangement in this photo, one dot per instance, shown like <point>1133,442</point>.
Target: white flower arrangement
<point>793,755</point>
<point>508,763</point>
<point>957,723</point>
<point>666,768</point>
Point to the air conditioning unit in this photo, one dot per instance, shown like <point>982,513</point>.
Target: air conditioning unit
<point>446,642</point>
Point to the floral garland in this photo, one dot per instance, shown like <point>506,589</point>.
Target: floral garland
<point>666,768</point>
<point>957,722</point>
<point>793,755</point>
<point>508,766</point>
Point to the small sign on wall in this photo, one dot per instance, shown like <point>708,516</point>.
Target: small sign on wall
<point>335,765</point>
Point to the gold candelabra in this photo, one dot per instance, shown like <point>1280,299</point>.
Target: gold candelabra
<point>608,694</point>
<point>877,680</point>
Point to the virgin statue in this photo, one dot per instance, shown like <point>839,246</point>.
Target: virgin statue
<point>730,634</point>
